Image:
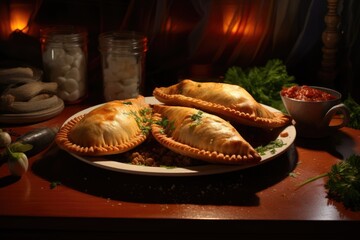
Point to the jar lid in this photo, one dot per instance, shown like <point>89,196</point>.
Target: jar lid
<point>63,33</point>
<point>123,40</point>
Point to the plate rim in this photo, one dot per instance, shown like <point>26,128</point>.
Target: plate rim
<point>210,169</point>
<point>33,117</point>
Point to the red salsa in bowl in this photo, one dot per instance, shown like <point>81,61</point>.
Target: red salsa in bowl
<point>306,93</point>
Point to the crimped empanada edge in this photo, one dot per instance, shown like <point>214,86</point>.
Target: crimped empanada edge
<point>63,141</point>
<point>205,155</point>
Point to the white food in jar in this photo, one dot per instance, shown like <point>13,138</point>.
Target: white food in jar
<point>121,77</point>
<point>71,85</point>
<point>66,65</point>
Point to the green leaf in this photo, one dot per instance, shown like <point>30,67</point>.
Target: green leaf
<point>354,109</point>
<point>20,147</point>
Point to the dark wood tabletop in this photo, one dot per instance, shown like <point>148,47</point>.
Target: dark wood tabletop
<point>259,201</point>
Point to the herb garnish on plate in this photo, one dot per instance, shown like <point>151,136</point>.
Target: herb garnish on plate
<point>271,146</point>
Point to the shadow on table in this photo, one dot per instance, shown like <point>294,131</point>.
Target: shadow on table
<point>234,188</point>
<point>338,144</point>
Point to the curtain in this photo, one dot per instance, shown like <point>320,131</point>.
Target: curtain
<point>190,37</point>
<point>220,34</point>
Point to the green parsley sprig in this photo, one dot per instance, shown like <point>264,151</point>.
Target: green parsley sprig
<point>165,123</point>
<point>271,146</point>
<point>196,118</point>
<point>354,109</point>
<point>143,119</point>
<point>343,182</point>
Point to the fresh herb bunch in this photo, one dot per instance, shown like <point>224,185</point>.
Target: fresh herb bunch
<point>263,83</point>
<point>354,109</point>
<point>343,183</point>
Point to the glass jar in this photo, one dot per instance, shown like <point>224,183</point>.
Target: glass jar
<point>64,55</point>
<point>123,64</point>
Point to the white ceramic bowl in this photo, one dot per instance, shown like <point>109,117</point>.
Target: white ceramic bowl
<point>312,118</point>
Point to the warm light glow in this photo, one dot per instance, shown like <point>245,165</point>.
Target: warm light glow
<point>19,16</point>
<point>235,24</point>
<point>174,25</point>
<point>231,22</point>
<point>248,29</point>
<point>168,26</point>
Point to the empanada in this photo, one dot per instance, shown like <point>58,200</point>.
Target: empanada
<point>197,134</point>
<point>111,128</point>
<point>231,102</point>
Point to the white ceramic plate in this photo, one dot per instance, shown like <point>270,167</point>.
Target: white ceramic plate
<point>182,171</point>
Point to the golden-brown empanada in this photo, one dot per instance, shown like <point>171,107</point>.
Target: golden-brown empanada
<point>194,133</point>
<point>111,128</point>
<point>231,102</point>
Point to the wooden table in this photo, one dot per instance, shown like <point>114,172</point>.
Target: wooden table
<point>262,201</point>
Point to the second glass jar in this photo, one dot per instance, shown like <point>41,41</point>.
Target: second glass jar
<point>123,64</point>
